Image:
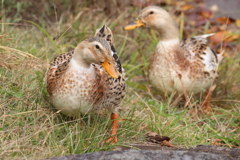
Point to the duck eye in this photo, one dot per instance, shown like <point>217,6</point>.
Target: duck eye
<point>97,46</point>
<point>151,12</point>
<point>109,36</point>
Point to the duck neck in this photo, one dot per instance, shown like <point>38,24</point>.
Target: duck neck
<point>169,32</point>
<point>169,38</point>
<point>78,58</point>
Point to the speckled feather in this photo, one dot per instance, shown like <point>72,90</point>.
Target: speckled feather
<point>198,58</point>
<point>57,67</point>
<point>189,65</point>
<point>192,60</point>
<point>117,87</point>
<point>105,33</point>
<point>97,91</point>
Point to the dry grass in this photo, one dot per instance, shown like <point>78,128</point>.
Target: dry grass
<point>31,129</point>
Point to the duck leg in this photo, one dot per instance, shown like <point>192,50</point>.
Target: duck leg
<point>206,104</point>
<point>113,137</point>
<point>184,91</point>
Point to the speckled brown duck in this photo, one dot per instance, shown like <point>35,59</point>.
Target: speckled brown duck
<point>186,66</point>
<point>87,79</point>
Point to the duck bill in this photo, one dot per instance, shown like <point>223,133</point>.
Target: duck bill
<point>111,69</point>
<point>133,25</point>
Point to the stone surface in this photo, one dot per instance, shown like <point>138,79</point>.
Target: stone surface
<point>197,153</point>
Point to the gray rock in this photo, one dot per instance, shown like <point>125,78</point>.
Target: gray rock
<point>197,153</point>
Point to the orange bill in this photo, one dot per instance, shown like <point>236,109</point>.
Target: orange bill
<point>110,68</point>
<point>133,25</point>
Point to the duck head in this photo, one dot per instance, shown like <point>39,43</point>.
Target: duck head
<point>152,17</point>
<point>98,51</point>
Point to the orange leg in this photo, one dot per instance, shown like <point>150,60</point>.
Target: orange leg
<point>184,90</point>
<point>113,137</point>
<point>206,105</point>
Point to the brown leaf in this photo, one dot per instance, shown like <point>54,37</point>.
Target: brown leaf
<point>238,22</point>
<point>207,14</point>
<point>232,38</point>
<point>225,20</point>
<point>225,39</point>
<point>166,143</point>
<point>219,36</point>
<point>186,7</point>
<point>155,138</point>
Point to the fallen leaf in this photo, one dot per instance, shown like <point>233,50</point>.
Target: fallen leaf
<point>225,20</point>
<point>207,14</point>
<point>219,36</point>
<point>232,38</point>
<point>238,22</point>
<point>166,143</point>
<point>186,7</point>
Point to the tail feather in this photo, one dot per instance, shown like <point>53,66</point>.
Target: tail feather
<point>203,37</point>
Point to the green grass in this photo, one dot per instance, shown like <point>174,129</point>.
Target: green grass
<point>30,128</point>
